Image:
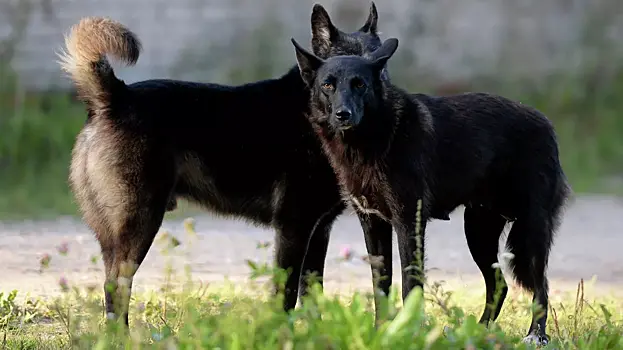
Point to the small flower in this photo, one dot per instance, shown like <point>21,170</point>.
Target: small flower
<point>496,265</point>
<point>346,253</point>
<point>44,262</point>
<point>62,282</point>
<point>63,249</point>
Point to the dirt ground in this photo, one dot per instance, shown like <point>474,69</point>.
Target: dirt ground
<point>588,244</point>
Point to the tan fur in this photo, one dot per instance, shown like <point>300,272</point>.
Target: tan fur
<point>87,44</point>
<point>96,171</point>
<point>101,178</point>
<point>97,182</point>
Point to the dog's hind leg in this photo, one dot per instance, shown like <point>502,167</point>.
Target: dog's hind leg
<point>122,259</point>
<point>123,256</point>
<point>378,236</point>
<point>482,231</point>
<point>299,209</point>
<point>530,240</point>
<point>315,257</point>
<point>132,226</point>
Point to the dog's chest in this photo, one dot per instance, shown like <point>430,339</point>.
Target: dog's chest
<point>367,189</point>
<point>364,183</point>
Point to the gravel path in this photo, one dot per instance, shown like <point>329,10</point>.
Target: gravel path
<point>588,243</point>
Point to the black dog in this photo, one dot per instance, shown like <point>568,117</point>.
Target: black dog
<point>399,156</point>
<point>243,151</point>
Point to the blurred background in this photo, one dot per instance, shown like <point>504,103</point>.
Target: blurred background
<point>561,56</point>
<point>564,57</point>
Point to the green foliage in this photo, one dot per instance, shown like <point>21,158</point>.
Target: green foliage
<point>37,132</point>
<point>222,318</point>
<point>12,314</point>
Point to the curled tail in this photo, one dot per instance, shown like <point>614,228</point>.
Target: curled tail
<point>84,57</point>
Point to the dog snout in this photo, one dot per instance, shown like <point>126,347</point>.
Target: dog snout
<point>343,114</point>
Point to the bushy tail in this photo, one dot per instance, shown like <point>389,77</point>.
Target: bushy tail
<point>530,239</point>
<point>84,58</point>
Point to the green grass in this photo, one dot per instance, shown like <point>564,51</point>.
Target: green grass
<point>230,317</point>
<point>188,315</point>
<point>37,132</point>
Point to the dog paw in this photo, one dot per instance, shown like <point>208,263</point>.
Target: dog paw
<point>538,340</point>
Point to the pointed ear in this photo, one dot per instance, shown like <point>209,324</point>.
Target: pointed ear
<point>323,31</point>
<point>384,53</point>
<point>371,23</point>
<point>308,63</point>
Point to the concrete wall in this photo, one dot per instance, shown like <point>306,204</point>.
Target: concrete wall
<point>220,40</point>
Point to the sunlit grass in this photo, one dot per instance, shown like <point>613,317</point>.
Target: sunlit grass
<point>245,317</point>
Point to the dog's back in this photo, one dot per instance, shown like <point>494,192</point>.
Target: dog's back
<point>500,147</point>
<point>185,139</point>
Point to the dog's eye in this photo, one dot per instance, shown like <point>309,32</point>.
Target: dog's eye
<point>327,86</point>
<point>359,84</point>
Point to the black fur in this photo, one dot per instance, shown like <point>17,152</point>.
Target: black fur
<point>392,149</point>
<point>243,151</point>
<point>328,40</point>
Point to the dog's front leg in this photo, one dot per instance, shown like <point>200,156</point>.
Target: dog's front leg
<point>410,229</point>
<point>378,236</point>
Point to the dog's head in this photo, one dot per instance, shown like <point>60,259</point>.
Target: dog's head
<point>328,41</point>
<point>344,88</point>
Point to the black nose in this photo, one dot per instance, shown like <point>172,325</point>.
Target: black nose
<point>342,114</point>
